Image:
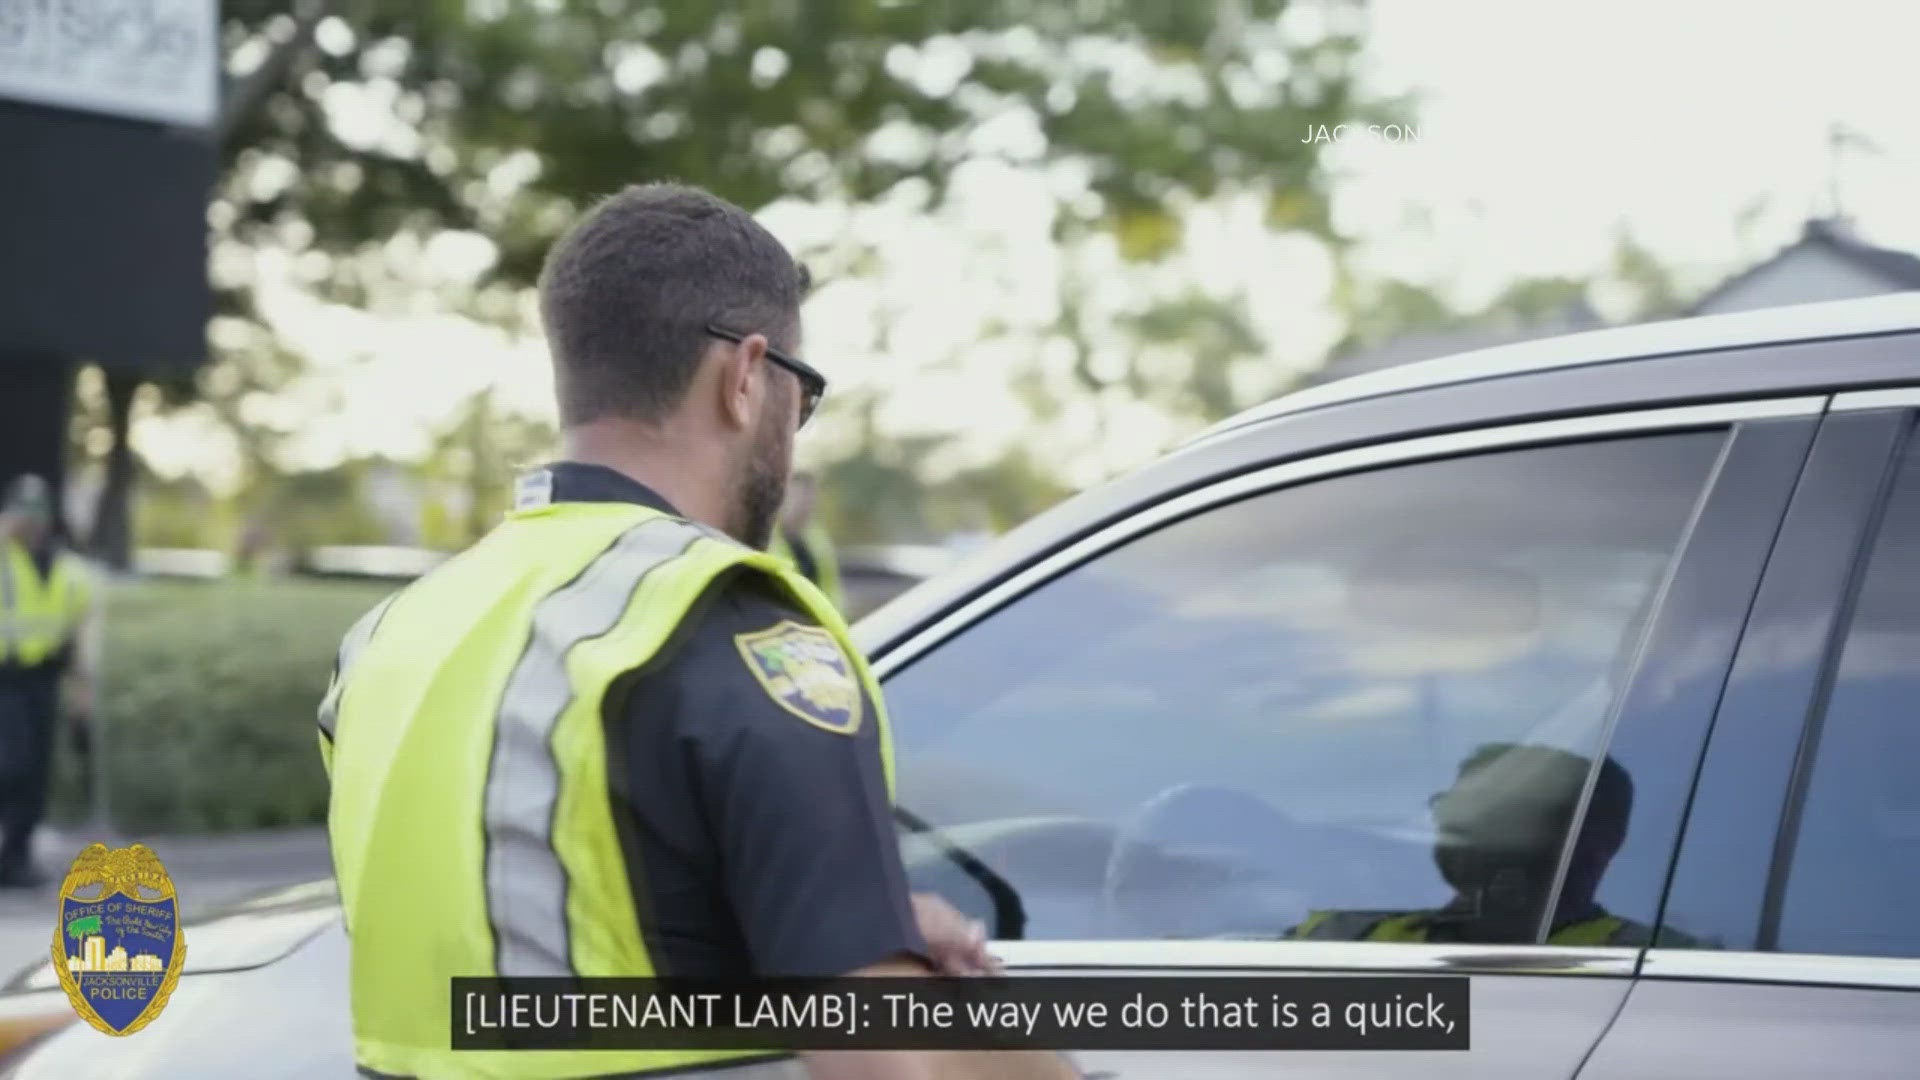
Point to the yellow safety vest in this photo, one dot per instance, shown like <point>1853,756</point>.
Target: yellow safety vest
<point>38,614</point>
<point>1413,927</point>
<point>470,821</point>
<point>826,561</point>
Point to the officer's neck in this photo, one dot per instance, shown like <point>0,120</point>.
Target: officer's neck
<point>692,476</point>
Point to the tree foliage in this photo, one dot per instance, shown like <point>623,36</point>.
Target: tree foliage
<point>504,116</point>
<point>477,457</point>
<point>1652,289</point>
<point>1379,311</point>
<point>366,133</point>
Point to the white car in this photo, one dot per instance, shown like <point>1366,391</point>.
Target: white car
<point>1587,668</point>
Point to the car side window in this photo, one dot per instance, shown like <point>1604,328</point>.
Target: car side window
<point>1360,708</point>
<point>1852,887</point>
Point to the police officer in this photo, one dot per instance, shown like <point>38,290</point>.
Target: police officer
<point>44,602</point>
<point>801,540</point>
<point>615,737</point>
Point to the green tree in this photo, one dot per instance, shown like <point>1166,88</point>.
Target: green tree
<point>892,501</point>
<point>1194,356</point>
<point>1534,301</point>
<point>81,927</point>
<point>1377,311</point>
<point>1653,291</point>
<point>478,455</point>
<point>365,131</point>
<point>504,116</point>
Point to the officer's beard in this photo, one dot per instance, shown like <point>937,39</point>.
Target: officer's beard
<point>763,482</point>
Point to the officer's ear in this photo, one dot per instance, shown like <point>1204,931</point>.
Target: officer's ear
<point>741,386</point>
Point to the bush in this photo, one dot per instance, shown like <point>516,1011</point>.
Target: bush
<point>207,701</point>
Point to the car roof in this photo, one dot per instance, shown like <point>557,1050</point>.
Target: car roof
<point>1889,313</point>
<point>1802,349</point>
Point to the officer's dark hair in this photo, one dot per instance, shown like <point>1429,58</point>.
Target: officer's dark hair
<point>627,293</point>
<point>1562,773</point>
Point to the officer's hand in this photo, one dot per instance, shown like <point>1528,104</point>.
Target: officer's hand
<point>956,944</point>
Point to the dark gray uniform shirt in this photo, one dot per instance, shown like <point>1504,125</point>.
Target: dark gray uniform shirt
<point>756,843</point>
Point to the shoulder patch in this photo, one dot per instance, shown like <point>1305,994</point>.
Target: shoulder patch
<point>803,669</point>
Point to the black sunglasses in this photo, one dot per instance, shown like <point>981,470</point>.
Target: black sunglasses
<point>813,385</point>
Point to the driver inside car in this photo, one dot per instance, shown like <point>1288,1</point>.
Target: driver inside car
<point>1500,832</point>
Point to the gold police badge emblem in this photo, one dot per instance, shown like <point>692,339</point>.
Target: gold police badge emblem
<point>804,669</point>
<point>118,947</point>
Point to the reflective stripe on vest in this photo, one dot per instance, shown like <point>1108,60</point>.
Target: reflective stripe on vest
<point>1413,926</point>
<point>1599,931</point>
<point>38,615</point>
<point>470,818</point>
<point>526,885</point>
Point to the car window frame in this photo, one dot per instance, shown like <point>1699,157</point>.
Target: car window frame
<point>1794,416</point>
<point>1754,775</point>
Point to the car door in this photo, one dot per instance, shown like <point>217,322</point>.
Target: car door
<point>1457,684</point>
<point>1790,944</point>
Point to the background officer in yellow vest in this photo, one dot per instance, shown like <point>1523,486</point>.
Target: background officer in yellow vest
<point>803,541</point>
<point>615,737</point>
<point>44,601</point>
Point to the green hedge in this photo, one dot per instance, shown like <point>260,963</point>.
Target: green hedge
<point>207,699</point>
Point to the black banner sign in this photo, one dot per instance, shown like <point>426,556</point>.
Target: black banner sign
<point>1047,1012</point>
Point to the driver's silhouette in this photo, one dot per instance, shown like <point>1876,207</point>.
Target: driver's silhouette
<point>1501,831</point>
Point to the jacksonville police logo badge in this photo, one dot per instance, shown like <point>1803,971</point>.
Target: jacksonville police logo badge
<point>804,669</point>
<point>118,947</point>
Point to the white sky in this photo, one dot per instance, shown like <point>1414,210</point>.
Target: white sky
<point>1545,129</point>
<point>1546,126</point>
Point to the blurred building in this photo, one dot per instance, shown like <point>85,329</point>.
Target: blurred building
<point>1827,262</point>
